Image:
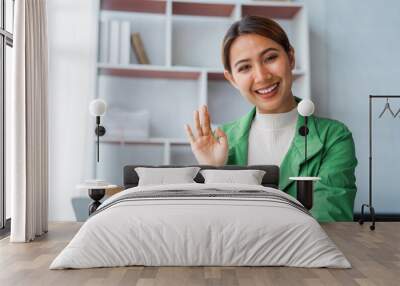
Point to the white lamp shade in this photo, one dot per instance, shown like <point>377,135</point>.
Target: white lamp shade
<point>97,107</point>
<point>305,107</point>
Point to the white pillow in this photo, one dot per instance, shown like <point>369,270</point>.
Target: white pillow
<point>248,177</point>
<point>164,176</point>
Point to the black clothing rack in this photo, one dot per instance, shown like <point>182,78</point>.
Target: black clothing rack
<point>369,205</point>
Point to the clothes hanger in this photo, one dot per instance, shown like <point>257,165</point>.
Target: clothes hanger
<point>387,107</point>
<point>398,111</point>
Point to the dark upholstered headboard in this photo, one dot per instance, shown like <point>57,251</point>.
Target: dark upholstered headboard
<point>270,179</point>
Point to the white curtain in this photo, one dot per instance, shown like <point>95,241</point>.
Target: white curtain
<point>27,121</point>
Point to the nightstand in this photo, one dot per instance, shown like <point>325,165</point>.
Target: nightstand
<point>96,193</point>
<point>112,191</point>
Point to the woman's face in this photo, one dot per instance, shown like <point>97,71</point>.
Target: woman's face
<point>262,72</point>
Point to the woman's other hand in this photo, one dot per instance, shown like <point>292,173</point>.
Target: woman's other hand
<point>208,148</point>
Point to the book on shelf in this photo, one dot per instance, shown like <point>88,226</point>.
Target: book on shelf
<point>124,43</point>
<point>104,42</point>
<point>114,42</point>
<point>138,48</point>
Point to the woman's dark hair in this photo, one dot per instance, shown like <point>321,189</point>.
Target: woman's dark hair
<point>253,25</point>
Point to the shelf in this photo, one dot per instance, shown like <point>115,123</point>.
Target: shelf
<point>148,6</point>
<point>272,10</point>
<point>149,71</point>
<point>202,9</point>
<point>154,141</point>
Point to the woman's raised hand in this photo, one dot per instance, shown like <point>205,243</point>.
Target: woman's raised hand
<point>208,148</point>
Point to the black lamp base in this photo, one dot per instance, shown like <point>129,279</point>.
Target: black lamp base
<point>305,193</point>
<point>305,190</point>
<point>96,195</point>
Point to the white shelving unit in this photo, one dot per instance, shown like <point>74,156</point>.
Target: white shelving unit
<point>183,41</point>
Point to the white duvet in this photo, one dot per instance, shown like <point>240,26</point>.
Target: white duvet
<point>200,231</point>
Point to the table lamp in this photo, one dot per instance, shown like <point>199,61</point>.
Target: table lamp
<point>305,184</point>
<point>97,108</point>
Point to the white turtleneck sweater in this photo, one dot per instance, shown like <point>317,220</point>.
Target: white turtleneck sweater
<point>270,137</point>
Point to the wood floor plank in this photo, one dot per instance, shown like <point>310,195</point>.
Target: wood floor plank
<point>131,276</point>
<point>374,255</point>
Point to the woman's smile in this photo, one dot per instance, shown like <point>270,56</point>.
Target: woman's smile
<point>267,91</point>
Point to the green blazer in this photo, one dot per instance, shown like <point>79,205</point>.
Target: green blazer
<point>330,156</point>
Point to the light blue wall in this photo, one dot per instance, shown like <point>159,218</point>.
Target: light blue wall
<point>355,51</point>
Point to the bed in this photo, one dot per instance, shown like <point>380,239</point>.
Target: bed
<point>201,224</point>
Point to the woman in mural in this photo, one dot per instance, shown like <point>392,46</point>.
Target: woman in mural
<point>258,61</point>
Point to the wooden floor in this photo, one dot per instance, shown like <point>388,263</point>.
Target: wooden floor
<point>374,255</point>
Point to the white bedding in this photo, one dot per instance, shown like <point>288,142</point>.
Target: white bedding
<point>200,231</point>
